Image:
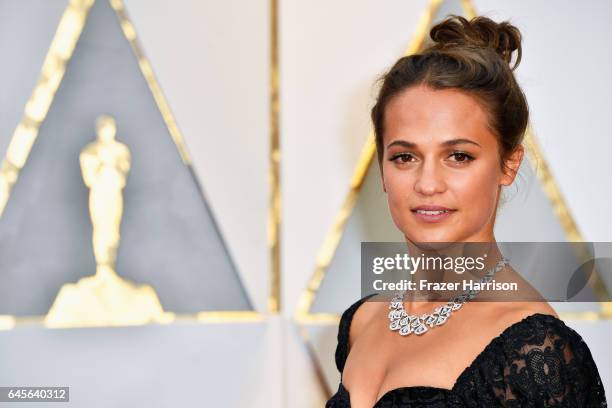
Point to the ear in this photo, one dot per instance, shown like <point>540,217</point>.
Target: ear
<point>511,165</point>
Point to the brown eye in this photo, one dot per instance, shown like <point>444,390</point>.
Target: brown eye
<point>402,158</point>
<point>462,157</point>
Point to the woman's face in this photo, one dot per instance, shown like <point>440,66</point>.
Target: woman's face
<point>441,166</point>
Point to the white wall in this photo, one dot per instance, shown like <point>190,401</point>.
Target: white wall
<point>212,62</point>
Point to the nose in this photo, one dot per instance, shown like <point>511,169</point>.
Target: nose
<point>430,179</point>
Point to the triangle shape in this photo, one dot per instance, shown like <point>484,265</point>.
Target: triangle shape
<point>169,238</point>
<point>365,217</point>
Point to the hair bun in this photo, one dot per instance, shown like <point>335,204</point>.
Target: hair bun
<point>503,37</point>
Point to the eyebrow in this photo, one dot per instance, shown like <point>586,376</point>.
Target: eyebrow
<point>451,142</point>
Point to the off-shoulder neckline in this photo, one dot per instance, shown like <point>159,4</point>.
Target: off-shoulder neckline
<point>465,373</point>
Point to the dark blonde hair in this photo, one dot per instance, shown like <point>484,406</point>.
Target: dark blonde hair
<point>474,56</point>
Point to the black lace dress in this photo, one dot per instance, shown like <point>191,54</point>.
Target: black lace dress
<point>536,362</point>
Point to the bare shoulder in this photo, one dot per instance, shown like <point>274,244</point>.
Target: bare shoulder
<point>366,313</point>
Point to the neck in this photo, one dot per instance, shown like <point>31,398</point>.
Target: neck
<point>447,263</point>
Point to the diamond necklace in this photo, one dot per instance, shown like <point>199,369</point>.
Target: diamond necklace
<point>406,324</point>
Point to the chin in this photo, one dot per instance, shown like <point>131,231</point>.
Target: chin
<point>439,237</point>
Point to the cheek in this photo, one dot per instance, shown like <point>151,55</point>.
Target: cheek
<point>399,186</point>
<point>476,190</point>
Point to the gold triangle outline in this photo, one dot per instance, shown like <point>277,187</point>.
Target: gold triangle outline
<point>146,69</point>
<point>302,316</point>
<point>332,239</point>
<point>163,106</point>
<point>63,44</point>
<point>60,52</point>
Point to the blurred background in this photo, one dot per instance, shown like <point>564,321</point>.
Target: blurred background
<point>208,263</point>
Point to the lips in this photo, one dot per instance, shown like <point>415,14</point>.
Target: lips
<point>432,213</point>
<point>431,208</point>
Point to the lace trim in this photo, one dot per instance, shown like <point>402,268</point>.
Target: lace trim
<point>538,360</point>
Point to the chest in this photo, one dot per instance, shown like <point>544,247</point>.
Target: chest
<point>381,360</point>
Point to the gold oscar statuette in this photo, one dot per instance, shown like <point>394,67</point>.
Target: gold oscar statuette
<point>105,299</point>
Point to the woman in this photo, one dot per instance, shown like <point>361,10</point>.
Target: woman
<point>449,124</point>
